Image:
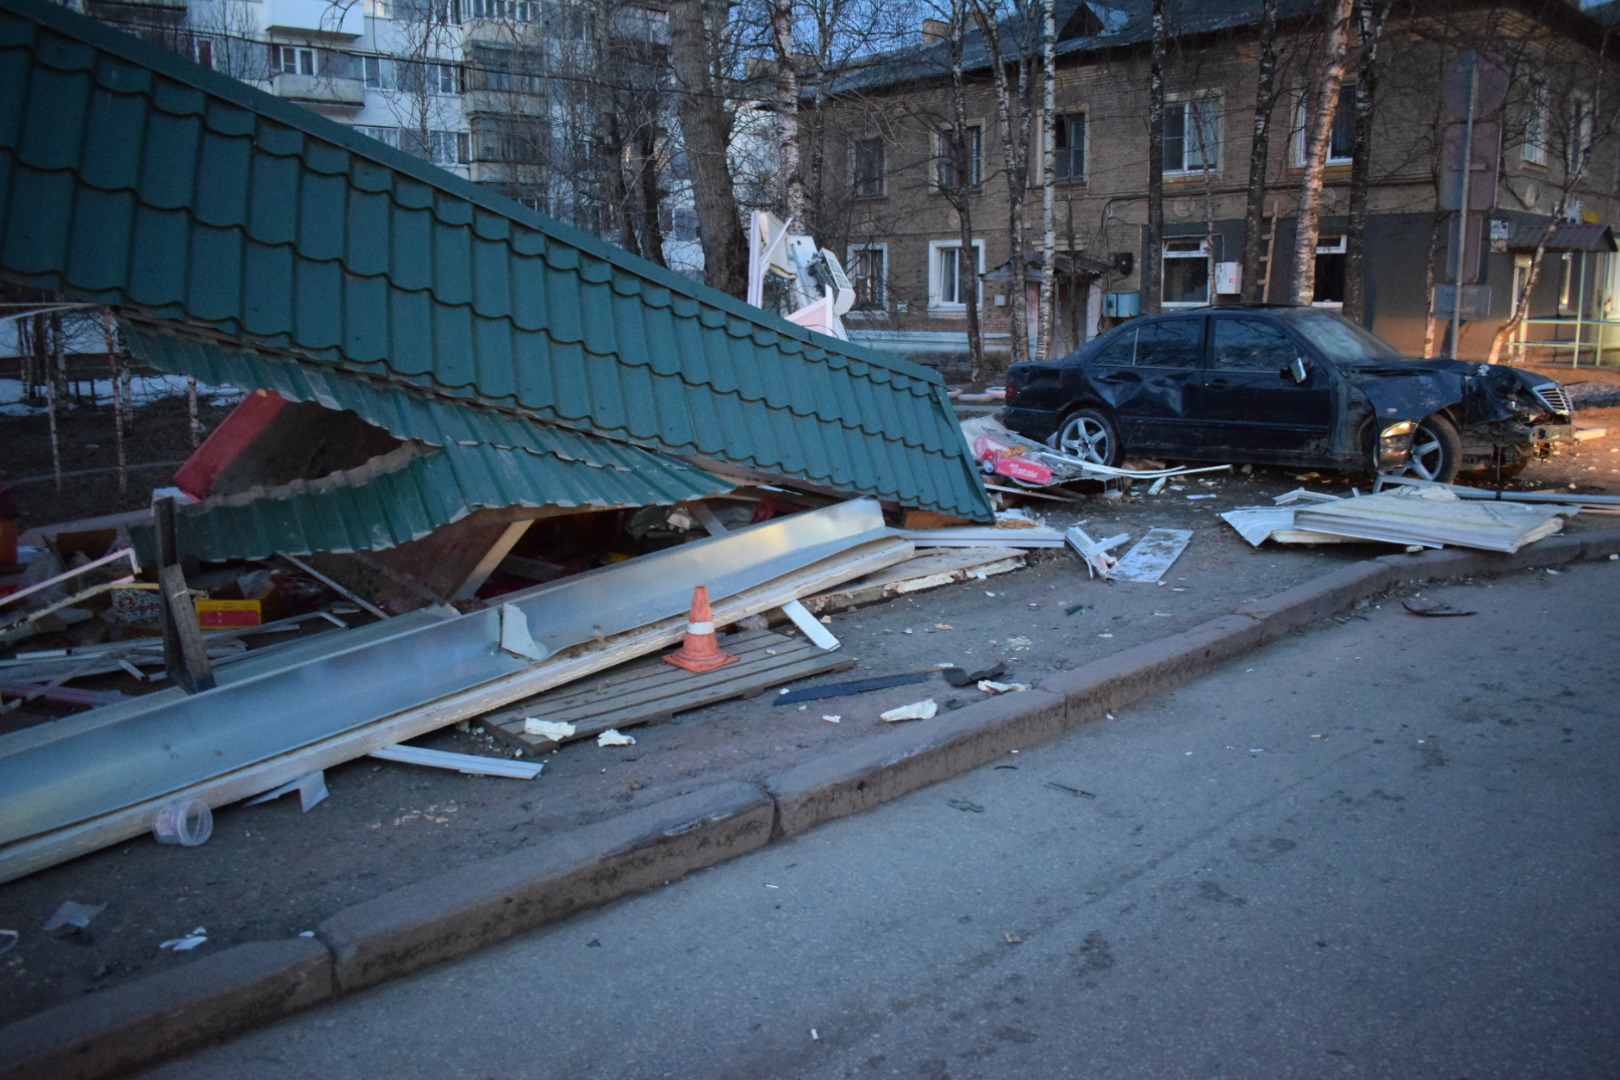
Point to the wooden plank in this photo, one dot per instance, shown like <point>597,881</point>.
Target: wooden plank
<point>650,690</point>
<point>46,849</point>
<point>928,571</point>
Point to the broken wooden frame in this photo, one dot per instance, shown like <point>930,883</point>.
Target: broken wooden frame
<point>101,777</point>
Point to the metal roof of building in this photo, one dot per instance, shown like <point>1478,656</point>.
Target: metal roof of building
<point>134,178</point>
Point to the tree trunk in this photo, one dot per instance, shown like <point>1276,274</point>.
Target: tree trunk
<point>1155,226</point>
<point>1015,165</point>
<point>1047,318</point>
<point>706,134</point>
<point>1254,209</point>
<point>962,196</point>
<point>790,182</point>
<point>1370,23</point>
<point>1318,136</point>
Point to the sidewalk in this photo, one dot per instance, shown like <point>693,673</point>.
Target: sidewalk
<point>603,824</point>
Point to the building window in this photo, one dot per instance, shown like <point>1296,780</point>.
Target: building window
<point>202,51</point>
<point>442,78</point>
<point>867,272</point>
<point>1330,267</point>
<point>1341,141</point>
<point>378,72</point>
<point>868,168</point>
<point>1582,131</point>
<point>1535,126</point>
<point>1069,148</point>
<point>953,274</point>
<point>508,10</point>
<point>1192,135</point>
<point>948,151</point>
<point>294,60</point>
<point>1186,273</point>
<point>386,135</point>
<point>449,147</point>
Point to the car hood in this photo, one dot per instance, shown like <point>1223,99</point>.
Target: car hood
<point>1413,389</point>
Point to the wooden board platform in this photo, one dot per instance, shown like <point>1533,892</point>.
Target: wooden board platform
<point>927,571</point>
<point>650,690</point>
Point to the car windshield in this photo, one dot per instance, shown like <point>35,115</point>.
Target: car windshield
<point>1341,340</point>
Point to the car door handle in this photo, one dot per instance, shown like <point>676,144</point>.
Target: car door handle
<point>1219,384</point>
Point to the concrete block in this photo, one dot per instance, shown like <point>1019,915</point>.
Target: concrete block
<point>494,899</point>
<point>912,756</point>
<point>210,998</point>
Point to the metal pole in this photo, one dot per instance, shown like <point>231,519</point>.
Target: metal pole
<point>1580,308</point>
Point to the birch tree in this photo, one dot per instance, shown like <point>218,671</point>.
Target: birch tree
<point>1318,135</point>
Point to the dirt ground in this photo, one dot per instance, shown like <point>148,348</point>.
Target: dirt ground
<point>270,871</point>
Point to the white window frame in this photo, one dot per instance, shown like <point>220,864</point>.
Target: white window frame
<point>1347,99</point>
<point>388,136</point>
<point>449,147</point>
<point>378,72</point>
<point>1536,116</point>
<point>1186,103</point>
<point>442,78</point>
<point>302,58</point>
<point>936,276</point>
<point>1202,252</point>
<point>881,307</point>
<point>942,158</point>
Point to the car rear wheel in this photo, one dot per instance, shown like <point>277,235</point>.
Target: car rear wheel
<point>1436,451</point>
<point>1090,436</point>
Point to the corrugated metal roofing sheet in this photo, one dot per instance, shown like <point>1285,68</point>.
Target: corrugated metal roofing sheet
<point>406,495</point>
<point>131,177</point>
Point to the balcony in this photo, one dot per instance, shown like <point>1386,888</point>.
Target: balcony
<point>308,18</point>
<point>330,94</point>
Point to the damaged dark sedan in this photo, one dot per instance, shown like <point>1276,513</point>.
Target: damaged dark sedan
<point>1283,386</point>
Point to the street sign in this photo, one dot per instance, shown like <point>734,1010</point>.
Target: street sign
<point>1485,151</point>
<point>1476,301</point>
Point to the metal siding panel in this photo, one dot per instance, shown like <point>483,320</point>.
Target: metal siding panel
<point>169,160</point>
<point>570,382</point>
<point>99,258</point>
<point>268,271</point>
<point>497,362</point>
<point>225,165</point>
<point>410,332</point>
<point>365,318</point>
<point>564,308</point>
<point>453,363</point>
<point>317,321</point>
<point>452,265</point>
<point>273,199</point>
<point>215,278</point>
<point>596,318</point>
<point>112,148</point>
<point>411,249</point>
<point>365,251</point>
<point>56,106</point>
<point>33,244</point>
<point>527,293</point>
<point>157,267</point>
<point>491,279</point>
<point>15,73</point>
<point>321,204</point>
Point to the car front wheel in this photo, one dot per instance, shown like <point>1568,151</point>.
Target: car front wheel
<point>1436,451</point>
<point>1090,436</point>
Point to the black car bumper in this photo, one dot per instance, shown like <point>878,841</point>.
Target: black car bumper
<point>1037,424</point>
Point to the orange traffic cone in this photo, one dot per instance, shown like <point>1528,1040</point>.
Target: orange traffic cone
<point>701,650</point>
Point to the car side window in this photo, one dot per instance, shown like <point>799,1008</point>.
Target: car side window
<point>1119,350</point>
<point>1173,343</point>
<point>1251,345</point>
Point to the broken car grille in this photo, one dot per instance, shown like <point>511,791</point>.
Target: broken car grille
<point>1552,395</point>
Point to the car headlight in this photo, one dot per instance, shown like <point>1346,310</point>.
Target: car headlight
<point>1394,445</point>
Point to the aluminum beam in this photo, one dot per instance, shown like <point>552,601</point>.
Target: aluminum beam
<point>86,767</point>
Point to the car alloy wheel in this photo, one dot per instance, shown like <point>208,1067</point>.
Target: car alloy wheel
<point>1089,435</point>
<point>1436,451</point>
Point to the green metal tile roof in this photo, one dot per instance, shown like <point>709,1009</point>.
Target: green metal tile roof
<point>405,496</point>
<point>131,177</point>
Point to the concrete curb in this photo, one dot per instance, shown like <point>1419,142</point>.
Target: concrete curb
<point>162,1016</point>
<point>393,935</point>
<point>489,901</point>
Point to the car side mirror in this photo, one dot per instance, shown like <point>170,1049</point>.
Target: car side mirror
<point>1299,369</point>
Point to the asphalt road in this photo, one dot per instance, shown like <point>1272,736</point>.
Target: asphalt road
<point>1389,847</point>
